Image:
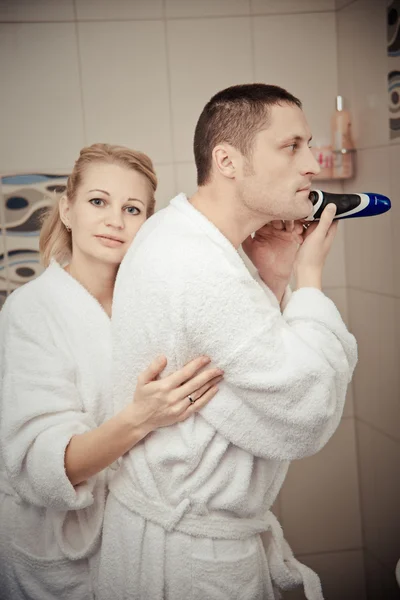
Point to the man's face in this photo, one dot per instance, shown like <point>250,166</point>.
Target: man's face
<point>276,178</point>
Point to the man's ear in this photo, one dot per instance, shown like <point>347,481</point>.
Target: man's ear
<point>225,160</point>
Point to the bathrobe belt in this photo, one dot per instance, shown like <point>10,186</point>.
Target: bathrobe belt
<point>285,570</point>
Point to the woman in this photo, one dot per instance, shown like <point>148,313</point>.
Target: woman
<point>58,434</point>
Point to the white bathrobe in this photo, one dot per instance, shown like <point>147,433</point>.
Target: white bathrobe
<point>186,507</point>
<point>55,376</point>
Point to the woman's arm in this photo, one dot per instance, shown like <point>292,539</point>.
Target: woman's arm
<point>41,412</point>
<point>157,403</point>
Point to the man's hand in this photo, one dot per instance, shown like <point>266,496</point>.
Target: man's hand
<point>273,250</point>
<point>318,240</point>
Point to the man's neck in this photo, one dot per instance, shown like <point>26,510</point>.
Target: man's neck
<point>235,221</point>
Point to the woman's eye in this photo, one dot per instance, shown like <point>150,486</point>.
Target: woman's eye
<point>294,146</point>
<point>96,201</point>
<point>132,210</point>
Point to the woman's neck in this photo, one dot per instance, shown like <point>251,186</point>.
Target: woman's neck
<point>97,278</point>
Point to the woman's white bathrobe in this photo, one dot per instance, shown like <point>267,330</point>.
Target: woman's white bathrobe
<point>186,508</point>
<point>55,376</point>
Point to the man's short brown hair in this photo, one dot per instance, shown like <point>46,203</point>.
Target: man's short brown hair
<point>234,115</point>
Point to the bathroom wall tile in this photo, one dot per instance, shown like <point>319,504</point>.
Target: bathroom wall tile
<point>379,460</point>
<point>319,499</point>
<point>2,207</point>
<point>41,116</point>
<point>288,68</point>
<point>186,175</point>
<point>265,7</point>
<point>3,269</point>
<point>345,62</point>
<point>104,10</point>
<point>166,188</point>
<point>362,65</point>
<point>397,322</point>
<point>126,98</point>
<point>334,273</point>
<point>39,10</point>
<point>380,581</point>
<point>341,574</point>
<point>206,8</point>
<point>377,377</point>
<point>339,297</point>
<point>24,264</point>
<point>25,198</point>
<point>370,112</point>
<point>368,242</point>
<point>3,255</point>
<point>226,59</point>
<point>394,152</point>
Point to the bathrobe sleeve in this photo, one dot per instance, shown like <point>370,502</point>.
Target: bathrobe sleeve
<point>271,296</point>
<point>41,411</point>
<point>286,375</point>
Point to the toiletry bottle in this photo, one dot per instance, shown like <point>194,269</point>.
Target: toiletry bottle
<point>342,141</point>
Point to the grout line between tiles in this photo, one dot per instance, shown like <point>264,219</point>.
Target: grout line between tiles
<point>80,80</point>
<point>253,50</point>
<point>384,294</point>
<point>3,235</point>
<point>378,430</point>
<point>174,18</point>
<point>323,552</point>
<point>346,5</point>
<point>170,109</point>
<point>379,561</point>
<point>359,487</point>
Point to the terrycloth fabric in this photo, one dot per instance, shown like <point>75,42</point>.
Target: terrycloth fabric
<point>183,290</point>
<point>55,377</point>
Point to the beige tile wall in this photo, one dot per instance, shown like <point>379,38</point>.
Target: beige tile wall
<point>138,73</point>
<point>41,117</point>
<point>372,262</point>
<point>341,572</point>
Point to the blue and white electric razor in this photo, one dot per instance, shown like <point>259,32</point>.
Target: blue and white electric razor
<point>348,206</point>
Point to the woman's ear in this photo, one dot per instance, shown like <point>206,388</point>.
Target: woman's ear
<point>63,207</point>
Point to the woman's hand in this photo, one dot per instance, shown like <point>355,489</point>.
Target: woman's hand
<point>157,403</point>
<point>161,402</point>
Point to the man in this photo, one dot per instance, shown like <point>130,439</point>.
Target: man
<point>187,507</point>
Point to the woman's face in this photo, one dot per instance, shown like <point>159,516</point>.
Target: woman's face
<point>110,207</point>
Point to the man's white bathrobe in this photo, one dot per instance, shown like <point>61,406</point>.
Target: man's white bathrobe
<point>55,377</point>
<point>186,507</point>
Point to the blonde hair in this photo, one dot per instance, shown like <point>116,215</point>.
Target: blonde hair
<point>55,240</point>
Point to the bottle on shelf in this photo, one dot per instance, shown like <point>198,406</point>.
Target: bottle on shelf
<point>342,142</point>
